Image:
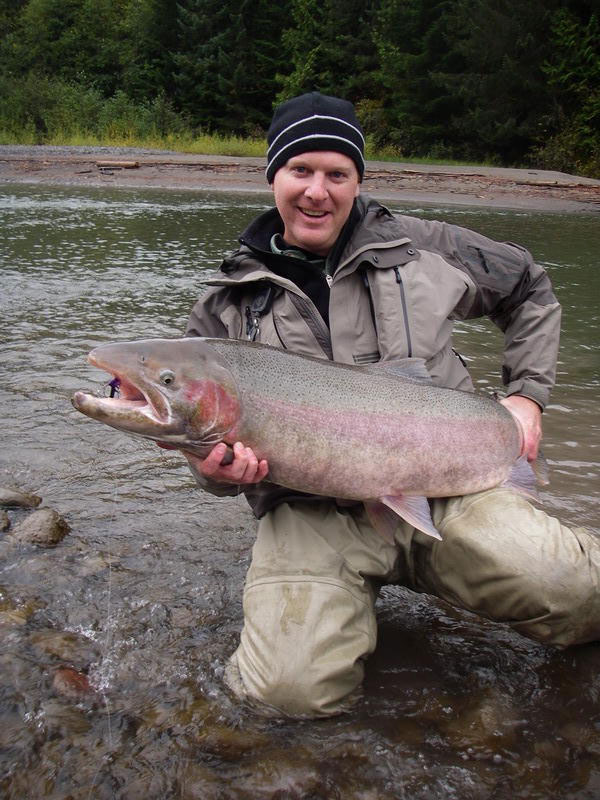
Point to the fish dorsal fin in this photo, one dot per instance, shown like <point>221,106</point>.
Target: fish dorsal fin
<point>411,368</point>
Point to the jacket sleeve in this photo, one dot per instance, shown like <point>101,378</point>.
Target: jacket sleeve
<point>516,294</point>
<point>206,315</point>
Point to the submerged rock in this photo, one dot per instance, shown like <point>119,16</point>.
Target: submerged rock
<point>15,497</point>
<point>16,612</point>
<point>16,615</point>
<point>198,782</point>
<point>77,650</point>
<point>13,617</point>
<point>44,527</point>
<point>94,563</point>
<point>225,742</point>
<point>68,720</point>
<point>71,683</point>
<point>485,725</point>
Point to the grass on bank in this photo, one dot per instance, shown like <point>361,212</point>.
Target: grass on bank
<point>35,109</point>
<point>204,144</point>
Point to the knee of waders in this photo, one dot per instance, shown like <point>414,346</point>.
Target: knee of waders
<point>507,560</point>
<point>572,596</point>
<point>303,645</point>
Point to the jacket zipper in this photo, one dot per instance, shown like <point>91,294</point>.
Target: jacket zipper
<point>275,326</point>
<point>365,280</point>
<point>404,311</point>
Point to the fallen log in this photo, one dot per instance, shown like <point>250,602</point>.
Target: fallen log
<point>117,164</point>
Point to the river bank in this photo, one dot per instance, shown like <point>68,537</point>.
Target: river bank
<point>495,187</point>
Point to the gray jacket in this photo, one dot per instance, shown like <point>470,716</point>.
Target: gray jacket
<point>399,285</point>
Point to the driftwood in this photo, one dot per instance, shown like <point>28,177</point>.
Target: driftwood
<point>117,164</point>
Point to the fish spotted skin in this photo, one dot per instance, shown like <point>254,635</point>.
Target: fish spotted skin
<point>329,429</point>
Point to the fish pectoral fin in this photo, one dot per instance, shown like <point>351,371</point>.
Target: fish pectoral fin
<point>415,510</point>
<point>522,478</point>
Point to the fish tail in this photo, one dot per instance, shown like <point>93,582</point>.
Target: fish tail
<point>541,469</point>
<point>522,478</point>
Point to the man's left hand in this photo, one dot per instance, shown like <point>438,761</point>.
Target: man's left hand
<point>529,418</point>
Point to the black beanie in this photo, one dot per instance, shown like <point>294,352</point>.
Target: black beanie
<point>310,122</point>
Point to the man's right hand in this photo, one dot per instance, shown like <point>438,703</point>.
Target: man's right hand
<point>244,469</point>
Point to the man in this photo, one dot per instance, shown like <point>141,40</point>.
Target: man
<point>331,273</point>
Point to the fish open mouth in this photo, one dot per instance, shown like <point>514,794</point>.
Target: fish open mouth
<point>129,407</point>
<point>123,391</point>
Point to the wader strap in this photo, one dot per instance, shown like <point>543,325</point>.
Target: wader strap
<point>259,307</point>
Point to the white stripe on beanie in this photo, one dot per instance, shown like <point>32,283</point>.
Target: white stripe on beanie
<point>319,136</point>
<point>318,116</point>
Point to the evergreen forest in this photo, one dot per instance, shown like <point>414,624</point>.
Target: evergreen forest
<point>507,82</point>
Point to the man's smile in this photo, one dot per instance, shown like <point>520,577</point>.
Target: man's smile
<point>311,212</point>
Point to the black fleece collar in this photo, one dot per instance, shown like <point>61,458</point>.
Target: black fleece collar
<point>259,233</point>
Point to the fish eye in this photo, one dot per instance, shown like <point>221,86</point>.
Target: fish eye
<point>167,377</point>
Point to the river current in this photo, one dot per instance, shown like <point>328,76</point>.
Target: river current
<point>143,597</point>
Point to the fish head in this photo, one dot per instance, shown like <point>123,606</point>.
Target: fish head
<point>176,391</point>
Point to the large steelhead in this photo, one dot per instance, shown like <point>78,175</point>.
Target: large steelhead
<point>330,429</point>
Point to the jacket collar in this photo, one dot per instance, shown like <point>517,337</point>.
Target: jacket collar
<point>371,235</point>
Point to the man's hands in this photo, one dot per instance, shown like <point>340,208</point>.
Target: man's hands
<point>529,418</point>
<point>244,469</point>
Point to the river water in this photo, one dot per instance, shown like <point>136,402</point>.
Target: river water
<point>144,595</point>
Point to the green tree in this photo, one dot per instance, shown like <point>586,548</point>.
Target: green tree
<point>329,48</point>
<point>149,39</point>
<point>572,67</point>
<point>9,13</point>
<point>228,57</point>
<point>74,40</point>
<point>415,49</point>
<point>502,90</point>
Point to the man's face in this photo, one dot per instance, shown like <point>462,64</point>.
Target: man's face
<point>314,193</point>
